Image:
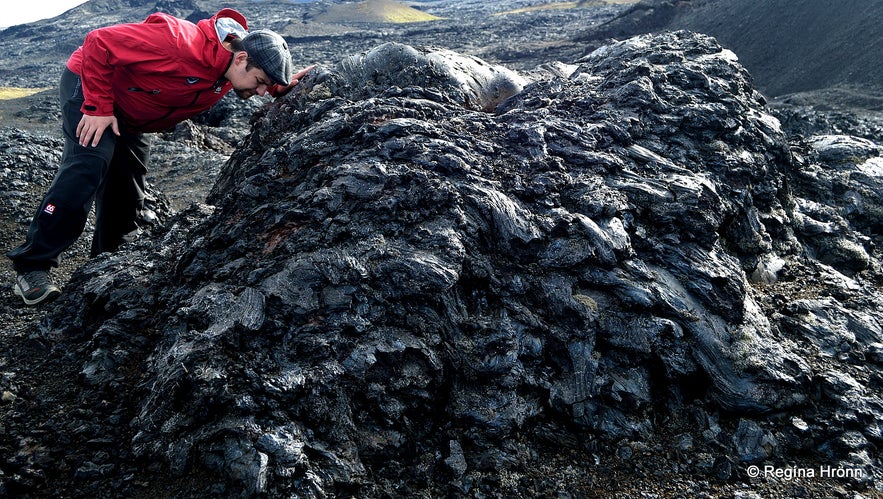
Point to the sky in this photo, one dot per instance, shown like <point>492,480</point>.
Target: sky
<point>20,12</point>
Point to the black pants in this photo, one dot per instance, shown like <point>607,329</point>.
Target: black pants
<point>111,175</point>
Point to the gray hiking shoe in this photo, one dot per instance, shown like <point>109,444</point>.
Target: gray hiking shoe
<point>36,287</point>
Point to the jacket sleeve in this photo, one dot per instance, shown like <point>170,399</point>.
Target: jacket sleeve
<point>107,50</point>
<point>97,73</point>
<point>276,90</point>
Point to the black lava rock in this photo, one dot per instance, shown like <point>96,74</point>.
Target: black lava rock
<point>417,260</point>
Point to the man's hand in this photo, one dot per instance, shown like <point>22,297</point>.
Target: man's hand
<point>300,74</point>
<point>90,128</point>
<point>280,90</point>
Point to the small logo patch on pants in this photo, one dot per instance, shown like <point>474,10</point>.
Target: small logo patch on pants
<point>49,209</point>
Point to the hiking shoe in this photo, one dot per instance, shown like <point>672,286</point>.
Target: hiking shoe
<point>35,287</point>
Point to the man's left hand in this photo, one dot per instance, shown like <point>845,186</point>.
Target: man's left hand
<point>280,90</point>
<point>91,128</point>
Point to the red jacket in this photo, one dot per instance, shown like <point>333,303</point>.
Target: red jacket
<point>155,74</point>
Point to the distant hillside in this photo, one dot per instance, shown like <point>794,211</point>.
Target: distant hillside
<point>787,46</point>
<point>372,11</point>
<point>566,5</point>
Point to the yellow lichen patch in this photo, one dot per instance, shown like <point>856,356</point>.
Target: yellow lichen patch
<point>7,93</point>
<point>382,11</point>
<point>395,12</point>
<point>586,300</point>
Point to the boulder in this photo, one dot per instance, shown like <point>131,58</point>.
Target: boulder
<point>419,266</point>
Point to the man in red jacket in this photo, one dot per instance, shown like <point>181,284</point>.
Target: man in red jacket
<point>123,82</point>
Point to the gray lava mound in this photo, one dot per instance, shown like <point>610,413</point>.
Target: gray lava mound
<point>418,268</point>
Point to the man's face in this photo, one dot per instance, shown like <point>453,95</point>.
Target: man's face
<point>247,82</point>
